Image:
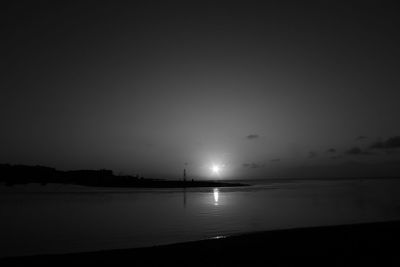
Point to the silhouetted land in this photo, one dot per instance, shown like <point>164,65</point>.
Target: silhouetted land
<point>372,244</point>
<point>22,174</point>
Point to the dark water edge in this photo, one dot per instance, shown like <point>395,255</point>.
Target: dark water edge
<point>367,244</point>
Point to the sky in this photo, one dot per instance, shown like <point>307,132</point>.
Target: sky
<point>260,90</point>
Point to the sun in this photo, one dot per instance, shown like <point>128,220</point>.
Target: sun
<point>216,169</point>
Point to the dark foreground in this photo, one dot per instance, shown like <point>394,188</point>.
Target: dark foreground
<point>373,244</point>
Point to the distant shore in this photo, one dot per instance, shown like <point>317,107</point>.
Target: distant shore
<point>369,244</point>
<point>22,174</point>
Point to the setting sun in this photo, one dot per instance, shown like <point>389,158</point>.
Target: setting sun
<point>216,169</point>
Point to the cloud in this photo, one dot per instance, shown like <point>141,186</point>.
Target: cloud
<point>393,142</point>
<point>331,150</point>
<point>312,154</point>
<point>361,137</point>
<point>252,136</point>
<point>378,145</point>
<point>392,152</point>
<point>357,151</point>
<point>390,143</point>
<point>252,165</point>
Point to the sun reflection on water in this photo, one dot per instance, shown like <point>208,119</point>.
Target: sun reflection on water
<point>216,196</point>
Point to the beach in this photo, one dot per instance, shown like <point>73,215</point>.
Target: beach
<point>369,244</point>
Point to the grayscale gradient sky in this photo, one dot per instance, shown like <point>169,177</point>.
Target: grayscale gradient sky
<point>288,90</point>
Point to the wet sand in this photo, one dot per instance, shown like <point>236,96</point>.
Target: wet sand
<point>371,244</point>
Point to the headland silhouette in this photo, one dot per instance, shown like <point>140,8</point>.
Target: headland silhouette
<point>23,174</point>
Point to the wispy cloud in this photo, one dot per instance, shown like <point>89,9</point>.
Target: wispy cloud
<point>357,151</point>
<point>252,136</point>
<point>312,154</point>
<point>390,143</point>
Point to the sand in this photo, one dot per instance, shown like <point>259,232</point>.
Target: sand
<point>370,244</point>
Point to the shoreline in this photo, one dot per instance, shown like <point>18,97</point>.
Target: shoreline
<point>24,174</point>
<point>366,244</point>
<point>148,184</point>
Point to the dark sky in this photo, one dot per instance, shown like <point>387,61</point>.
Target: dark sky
<point>260,90</point>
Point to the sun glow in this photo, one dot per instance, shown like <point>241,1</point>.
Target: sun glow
<point>216,169</point>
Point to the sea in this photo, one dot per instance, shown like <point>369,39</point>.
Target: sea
<point>36,219</point>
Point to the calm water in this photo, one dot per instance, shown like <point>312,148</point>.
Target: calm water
<point>58,219</point>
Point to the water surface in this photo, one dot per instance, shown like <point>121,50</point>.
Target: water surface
<point>60,219</point>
